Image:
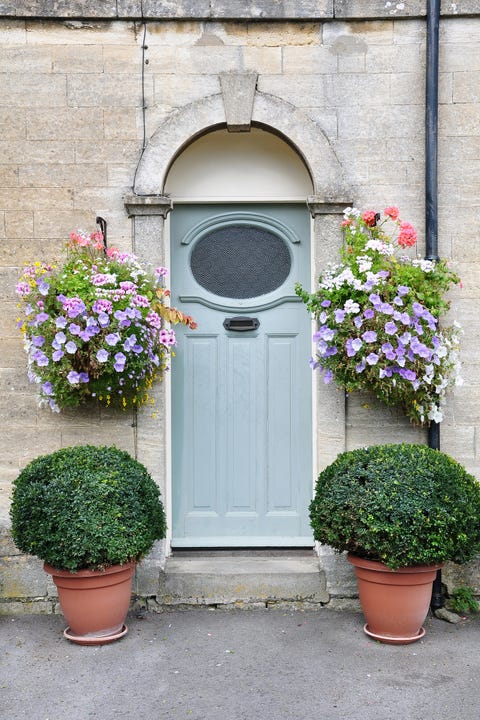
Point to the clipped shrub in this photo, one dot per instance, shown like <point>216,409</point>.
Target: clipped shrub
<point>401,504</point>
<point>86,507</point>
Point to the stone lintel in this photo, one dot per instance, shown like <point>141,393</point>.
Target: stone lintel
<point>147,205</point>
<point>319,205</point>
<point>238,90</point>
<point>299,10</point>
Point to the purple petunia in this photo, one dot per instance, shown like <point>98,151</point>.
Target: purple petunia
<point>112,339</point>
<point>386,308</point>
<point>40,358</point>
<point>387,349</point>
<point>352,346</point>
<point>41,318</point>
<point>324,333</point>
<point>407,374</point>
<point>369,336</point>
<point>71,347</point>
<point>102,355</point>
<point>103,319</point>
<point>418,309</point>
<point>120,360</point>
<point>47,388</point>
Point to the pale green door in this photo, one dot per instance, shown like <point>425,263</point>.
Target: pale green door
<point>241,382</point>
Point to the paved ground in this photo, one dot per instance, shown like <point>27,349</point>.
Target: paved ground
<point>238,665</point>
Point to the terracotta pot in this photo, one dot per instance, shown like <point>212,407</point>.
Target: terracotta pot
<point>95,602</point>
<point>395,602</point>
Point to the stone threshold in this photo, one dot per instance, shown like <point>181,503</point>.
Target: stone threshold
<point>242,578</point>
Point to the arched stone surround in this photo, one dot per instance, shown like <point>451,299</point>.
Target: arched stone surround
<point>149,208</point>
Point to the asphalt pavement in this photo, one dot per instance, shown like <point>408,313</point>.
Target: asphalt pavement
<point>275,664</point>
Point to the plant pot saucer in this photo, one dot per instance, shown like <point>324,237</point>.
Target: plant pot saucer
<point>95,639</point>
<point>394,640</point>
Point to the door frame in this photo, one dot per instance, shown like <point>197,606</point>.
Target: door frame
<point>151,241</point>
<point>288,238</point>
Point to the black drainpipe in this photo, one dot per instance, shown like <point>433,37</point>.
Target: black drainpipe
<point>431,197</point>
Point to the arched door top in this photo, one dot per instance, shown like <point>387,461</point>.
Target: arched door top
<point>269,113</point>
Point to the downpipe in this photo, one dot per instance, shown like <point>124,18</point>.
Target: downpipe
<point>431,199</point>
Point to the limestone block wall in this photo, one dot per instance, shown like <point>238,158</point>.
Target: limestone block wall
<point>85,87</point>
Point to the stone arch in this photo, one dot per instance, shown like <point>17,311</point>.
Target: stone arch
<point>190,121</point>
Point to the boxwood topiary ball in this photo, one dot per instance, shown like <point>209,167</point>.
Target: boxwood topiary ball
<point>86,507</point>
<point>401,504</point>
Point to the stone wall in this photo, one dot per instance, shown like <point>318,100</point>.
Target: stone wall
<point>74,78</point>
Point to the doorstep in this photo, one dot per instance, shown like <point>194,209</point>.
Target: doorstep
<point>236,578</point>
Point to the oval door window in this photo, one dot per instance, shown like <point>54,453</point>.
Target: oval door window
<point>240,261</point>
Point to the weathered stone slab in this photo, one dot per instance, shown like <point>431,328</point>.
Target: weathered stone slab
<point>60,8</point>
<point>22,577</point>
<point>228,9</point>
<point>27,607</point>
<point>379,8</point>
<point>220,581</point>
<point>272,9</point>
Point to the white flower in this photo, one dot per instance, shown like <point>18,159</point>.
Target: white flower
<point>381,247</point>
<point>351,306</point>
<point>426,265</point>
<point>364,263</point>
<point>439,387</point>
<point>435,414</point>
<point>346,276</point>
<point>351,212</point>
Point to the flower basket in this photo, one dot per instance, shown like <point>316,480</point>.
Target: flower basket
<point>378,314</point>
<point>96,326</point>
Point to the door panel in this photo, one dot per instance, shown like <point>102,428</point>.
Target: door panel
<point>241,399</point>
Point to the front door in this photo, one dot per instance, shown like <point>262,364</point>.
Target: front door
<point>241,383</point>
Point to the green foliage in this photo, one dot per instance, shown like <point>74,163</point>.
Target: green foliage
<point>463,600</point>
<point>86,507</point>
<point>400,504</point>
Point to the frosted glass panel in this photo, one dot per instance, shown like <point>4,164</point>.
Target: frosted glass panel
<point>240,262</point>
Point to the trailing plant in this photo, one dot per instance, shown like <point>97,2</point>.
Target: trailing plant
<point>378,314</point>
<point>401,504</point>
<point>86,507</point>
<point>97,326</point>
<point>463,600</point>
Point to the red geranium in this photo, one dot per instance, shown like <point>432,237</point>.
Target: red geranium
<point>407,235</point>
